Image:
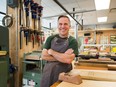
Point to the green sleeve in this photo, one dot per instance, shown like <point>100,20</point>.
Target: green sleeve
<point>74,45</point>
<point>47,44</point>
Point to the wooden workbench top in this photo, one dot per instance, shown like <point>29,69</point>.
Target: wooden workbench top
<point>91,77</point>
<point>88,83</point>
<point>56,84</point>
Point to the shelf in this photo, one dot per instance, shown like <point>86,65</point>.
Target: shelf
<point>96,61</point>
<point>98,38</point>
<point>3,53</point>
<point>108,29</point>
<point>82,31</point>
<point>99,45</point>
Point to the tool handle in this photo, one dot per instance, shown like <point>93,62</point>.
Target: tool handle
<point>33,40</point>
<point>26,34</point>
<point>21,29</point>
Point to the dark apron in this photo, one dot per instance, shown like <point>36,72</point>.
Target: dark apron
<point>52,69</point>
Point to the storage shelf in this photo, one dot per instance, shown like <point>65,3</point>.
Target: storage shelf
<point>99,45</point>
<point>100,39</point>
<point>109,29</point>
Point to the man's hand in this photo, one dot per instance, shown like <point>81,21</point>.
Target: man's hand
<point>69,51</point>
<point>66,57</point>
<point>47,56</point>
<point>50,51</point>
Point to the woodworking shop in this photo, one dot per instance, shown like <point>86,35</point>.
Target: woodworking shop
<point>58,43</point>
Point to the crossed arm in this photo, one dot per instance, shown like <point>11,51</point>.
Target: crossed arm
<point>51,55</point>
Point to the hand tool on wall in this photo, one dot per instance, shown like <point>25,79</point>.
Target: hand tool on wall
<point>42,37</point>
<point>21,30</point>
<point>35,21</point>
<point>25,31</point>
<point>26,34</point>
<point>26,6</point>
<point>38,35</point>
<point>33,16</point>
<point>34,13</point>
<point>22,24</point>
<point>7,20</point>
<point>31,34</point>
<point>20,12</point>
<point>33,38</point>
<point>27,22</point>
<point>39,13</point>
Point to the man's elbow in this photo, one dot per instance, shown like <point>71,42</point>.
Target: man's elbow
<point>43,57</point>
<point>69,60</point>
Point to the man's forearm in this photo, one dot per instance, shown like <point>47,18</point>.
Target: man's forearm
<point>62,57</point>
<point>46,56</point>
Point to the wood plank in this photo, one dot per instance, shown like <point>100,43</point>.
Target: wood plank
<point>102,75</point>
<point>56,84</point>
<point>91,67</point>
<point>111,67</point>
<point>89,83</point>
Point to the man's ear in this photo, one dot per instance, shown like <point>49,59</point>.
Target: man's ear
<point>70,25</point>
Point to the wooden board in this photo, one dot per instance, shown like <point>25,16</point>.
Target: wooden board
<point>89,83</point>
<point>102,75</point>
<point>91,67</point>
<point>56,84</point>
<point>111,67</point>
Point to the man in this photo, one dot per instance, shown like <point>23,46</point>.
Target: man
<point>59,51</point>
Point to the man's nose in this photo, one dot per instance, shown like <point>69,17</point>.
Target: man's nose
<point>62,25</point>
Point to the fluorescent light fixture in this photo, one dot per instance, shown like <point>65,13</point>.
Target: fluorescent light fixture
<point>102,4</point>
<point>102,19</point>
<point>70,17</point>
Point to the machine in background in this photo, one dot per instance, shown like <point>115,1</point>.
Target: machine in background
<point>4,56</point>
<point>32,69</point>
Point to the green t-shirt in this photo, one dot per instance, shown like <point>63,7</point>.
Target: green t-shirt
<point>72,43</point>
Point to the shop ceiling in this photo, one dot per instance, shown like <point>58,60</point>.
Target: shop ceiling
<point>84,9</point>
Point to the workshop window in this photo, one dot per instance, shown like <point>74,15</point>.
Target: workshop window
<point>2,9</point>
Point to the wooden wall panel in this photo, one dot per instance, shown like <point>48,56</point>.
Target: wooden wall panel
<point>16,54</point>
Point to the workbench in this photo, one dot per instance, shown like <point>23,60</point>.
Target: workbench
<point>96,71</point>
<point>96,64</point>
<point>86,83</point>
<point>56,84</point>
<point>91,78</point>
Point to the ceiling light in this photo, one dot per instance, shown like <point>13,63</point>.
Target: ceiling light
<point>70,17</point>
<point>102,19</point>
<point>102,4</point>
